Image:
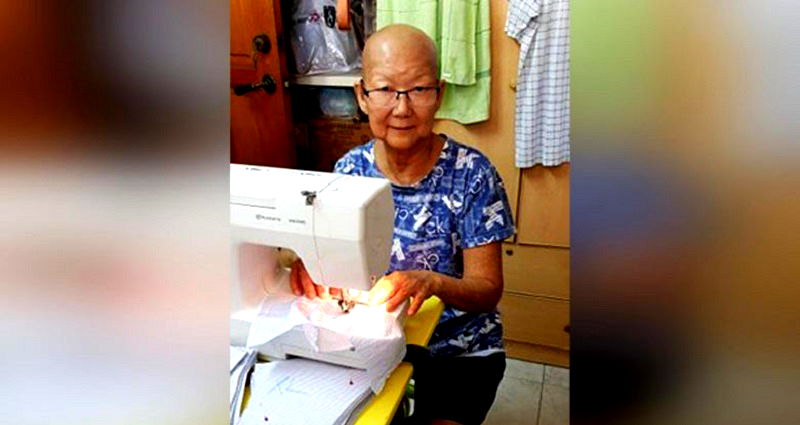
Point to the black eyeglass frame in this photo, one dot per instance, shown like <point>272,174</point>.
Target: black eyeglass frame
<point>398,92</point>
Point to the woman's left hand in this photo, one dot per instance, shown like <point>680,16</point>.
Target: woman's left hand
<point>397,287</point>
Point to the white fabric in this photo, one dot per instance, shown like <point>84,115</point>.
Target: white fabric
<point>376,334</point>
<point>542,111</point>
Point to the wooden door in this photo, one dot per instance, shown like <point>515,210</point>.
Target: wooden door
<point>261,121</point>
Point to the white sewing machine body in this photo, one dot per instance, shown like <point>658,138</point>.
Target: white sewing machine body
<point>340,226</point>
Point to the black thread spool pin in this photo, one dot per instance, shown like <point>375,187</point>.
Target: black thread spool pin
<point>310,196</point>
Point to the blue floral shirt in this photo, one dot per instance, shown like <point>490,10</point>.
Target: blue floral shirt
<point>460,204</point>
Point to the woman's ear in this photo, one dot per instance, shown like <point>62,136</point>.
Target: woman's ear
<point>362,100</point>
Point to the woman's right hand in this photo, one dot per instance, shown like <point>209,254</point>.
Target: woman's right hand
<point>302,284</point>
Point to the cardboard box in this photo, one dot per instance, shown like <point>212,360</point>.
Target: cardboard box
<point>329,139</point>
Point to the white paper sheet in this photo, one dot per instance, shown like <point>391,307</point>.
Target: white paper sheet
<point>356,411</point>
<point>304,392</point>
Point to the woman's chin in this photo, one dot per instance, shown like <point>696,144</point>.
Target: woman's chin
<point>403,141</point>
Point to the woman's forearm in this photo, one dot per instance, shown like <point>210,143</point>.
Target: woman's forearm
<point>474,294</point>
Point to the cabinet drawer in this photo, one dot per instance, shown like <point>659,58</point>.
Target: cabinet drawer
<point>536,353</point>
<point>535,320</point>
<point>535,270</point>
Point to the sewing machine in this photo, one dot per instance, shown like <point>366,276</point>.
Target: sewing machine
<point>340,226</point>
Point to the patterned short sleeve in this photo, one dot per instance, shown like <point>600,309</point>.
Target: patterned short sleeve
<point>487,214</point>
<point>349,163</point>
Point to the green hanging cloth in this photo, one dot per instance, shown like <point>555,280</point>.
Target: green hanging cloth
<point>461,31</point>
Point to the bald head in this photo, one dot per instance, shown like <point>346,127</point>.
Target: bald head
<point>399,41</point>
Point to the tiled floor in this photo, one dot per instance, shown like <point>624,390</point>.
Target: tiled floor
<point>531,393</point>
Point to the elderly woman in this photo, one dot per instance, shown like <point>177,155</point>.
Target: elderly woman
<point>451,213</point>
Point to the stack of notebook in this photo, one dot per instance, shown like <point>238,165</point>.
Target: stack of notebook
<point>300,391</point>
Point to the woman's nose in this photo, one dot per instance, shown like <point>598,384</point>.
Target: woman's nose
<point>402,108</point>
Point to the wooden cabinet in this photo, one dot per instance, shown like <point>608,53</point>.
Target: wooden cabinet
<point>535,303</point>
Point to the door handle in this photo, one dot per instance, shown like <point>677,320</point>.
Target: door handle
<point>267,83</point>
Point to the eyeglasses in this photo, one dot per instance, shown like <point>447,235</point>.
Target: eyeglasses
<point>386,97</point>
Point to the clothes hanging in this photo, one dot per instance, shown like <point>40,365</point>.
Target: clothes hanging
<point>542,110</point>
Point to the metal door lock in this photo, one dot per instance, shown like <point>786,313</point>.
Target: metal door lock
<point>262,44</point>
